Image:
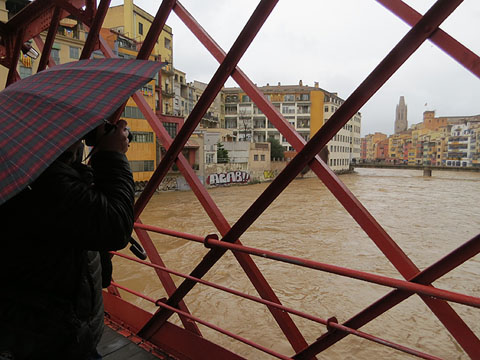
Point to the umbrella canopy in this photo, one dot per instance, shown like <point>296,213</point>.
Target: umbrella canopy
<point>42,115</point>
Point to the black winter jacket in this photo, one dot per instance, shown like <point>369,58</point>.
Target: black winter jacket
<point>50,275</point>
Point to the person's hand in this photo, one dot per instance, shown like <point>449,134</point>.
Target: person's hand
<point>115,140</point>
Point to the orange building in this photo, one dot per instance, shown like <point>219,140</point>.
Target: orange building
<point>430,122</point>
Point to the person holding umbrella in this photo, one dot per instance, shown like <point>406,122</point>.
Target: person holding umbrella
<point>58,225</point>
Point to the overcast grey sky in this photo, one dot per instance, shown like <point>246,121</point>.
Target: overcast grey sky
<point>337,43</point>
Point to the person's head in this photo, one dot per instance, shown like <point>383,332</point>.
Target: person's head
<point>73,154</point>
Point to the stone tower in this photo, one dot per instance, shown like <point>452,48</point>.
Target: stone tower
<point>401,123</point>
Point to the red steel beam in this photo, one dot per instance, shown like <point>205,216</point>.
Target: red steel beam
<point>255,276</point>
<point>165,279</point>
<point>354,274</point>
<point>429,275</point>
<point>15,56</point>
<point>348,200</point>
<point>50,39</point>
<point>38,40</point>
<point>155,29</point>
<point>208,96</point>
<point>444,41</point>
<point>92,39</point>
<point>241,44</point>
<point>251,270</point>
<point>413,287</point>
<point>368,223</point>
<point>153,255</point>
<point>329,323</point>
<point>360,97</point>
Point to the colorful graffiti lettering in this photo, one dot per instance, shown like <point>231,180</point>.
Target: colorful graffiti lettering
<point>228,178</point>
<point>169,183</point>
<point>269,174</point>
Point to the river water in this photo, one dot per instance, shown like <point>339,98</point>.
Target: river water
<point>428,217</point>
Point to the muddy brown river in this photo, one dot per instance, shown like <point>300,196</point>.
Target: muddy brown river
<point>428,217</point>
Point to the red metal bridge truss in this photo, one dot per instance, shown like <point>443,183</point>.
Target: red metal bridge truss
<point>155,329</point>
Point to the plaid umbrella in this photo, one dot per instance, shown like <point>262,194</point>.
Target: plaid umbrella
<point>42,115</point>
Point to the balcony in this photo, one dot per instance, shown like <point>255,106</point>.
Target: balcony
<point>168,69</point>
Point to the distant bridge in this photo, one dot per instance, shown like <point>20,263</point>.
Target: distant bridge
<point>427,169</point>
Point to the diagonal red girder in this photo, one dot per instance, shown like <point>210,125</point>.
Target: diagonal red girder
<point>444,41</point>
<point>261,285</point>
<point>255,276</point>
<point>410,268</point>
<point>208,96</point>
<point>351,204</point>
<point>427,276</point>
<point>145,239</point>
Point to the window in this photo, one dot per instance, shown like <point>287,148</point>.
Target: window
<point>74,52</point>
<point>140,28</point>
<point>289,97</point>
<point>230,109</point>
<point>25,71</point>
<point>209,158</point>
<point>262,157</point>
<point>142,137</point>
<point>132,112</point>
<point>141,165</point>
<point>246,98</point>
<point>55,53</point>
<point>168,43</point>
<point>255,157</point>
<point>171,128</point>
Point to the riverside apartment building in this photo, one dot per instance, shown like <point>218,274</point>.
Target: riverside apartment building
<point>306,108</point>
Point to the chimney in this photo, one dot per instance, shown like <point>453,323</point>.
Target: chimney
<point>279,84</point>
<point>316,84</point>
<point>300,83</point>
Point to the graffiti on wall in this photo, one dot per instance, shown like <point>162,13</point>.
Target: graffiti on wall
<point>228,178</point>
<point>168,184</point>
<point>269,174</point>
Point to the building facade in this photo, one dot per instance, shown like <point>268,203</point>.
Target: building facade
<point>306,108</point>
<point>133,22</point>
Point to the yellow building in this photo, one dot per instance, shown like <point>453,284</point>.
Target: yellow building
<point>67,47</point>
<point>133,22</point>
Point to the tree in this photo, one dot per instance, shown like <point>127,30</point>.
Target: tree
<point>222,154</point>
<point>276,149</point>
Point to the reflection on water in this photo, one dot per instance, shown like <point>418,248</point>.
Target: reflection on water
<point>427,218</point>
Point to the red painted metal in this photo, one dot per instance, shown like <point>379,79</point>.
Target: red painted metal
<point>39,42</point>
<point>353,206</point>
<point>155,29</point>
<point>413,287</point>
<point>147,243</point>
<point>50,39</point>
<point>432,273</point>
<point>172,339</point>
<point>261,285</point>
<point>288,327</point>
<point>329,323</point>
<point>216,328</point>
<point>165,279</point>
<point>16,49</point>
<point>444,41</point>
<point>92,39</point>
<point>40,15</point>
<point>218,80</point>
